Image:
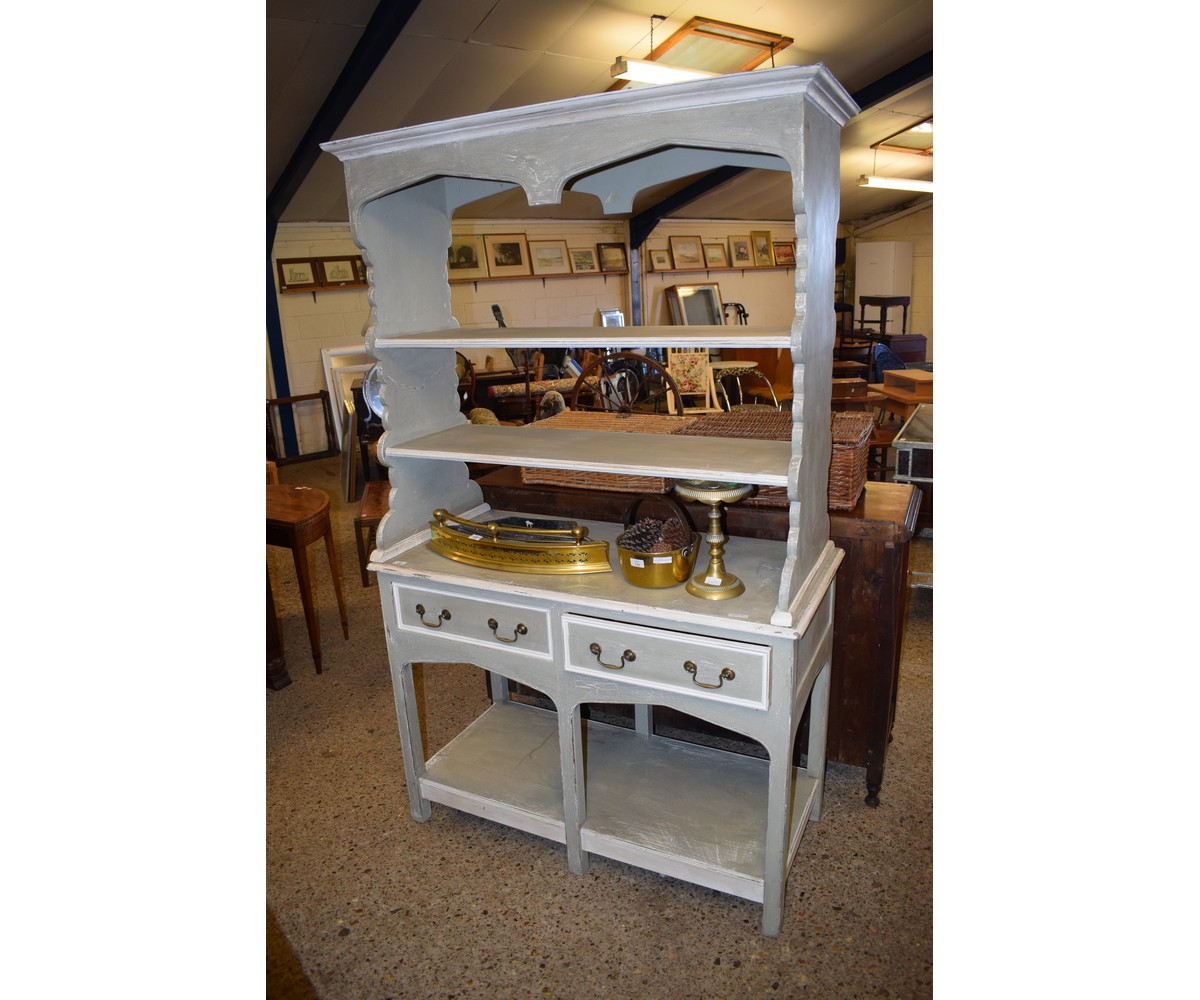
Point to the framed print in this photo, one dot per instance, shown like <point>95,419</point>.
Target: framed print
<point>507,255</point>
<point>687,253</point>
<point>340,272</point>
<point>715,255</point>
<point>696,305</point>
<point>739,251</point>
<point>466,258</point>
<point>760,246</point>
<point>549,257</point>
<point>660,260</point>
<point>298,274</point>
<point>785,254</point>
<point>583,260</point>
<point>612,256</point>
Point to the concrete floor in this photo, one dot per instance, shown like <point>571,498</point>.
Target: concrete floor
<point>363,902</point>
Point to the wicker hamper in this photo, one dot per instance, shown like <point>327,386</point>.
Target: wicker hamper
<point>847,463</point>
<point>586,420</point>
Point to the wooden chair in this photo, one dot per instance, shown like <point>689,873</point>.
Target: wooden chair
<point>372,510</point>
<point>297,516</point>
<point>692,373</point>
<point>776,366</point>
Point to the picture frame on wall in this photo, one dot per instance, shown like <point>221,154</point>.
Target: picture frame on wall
<point>740,253</point>
<point>583,260</point>
<point>298,274</point>
<point>549,257</point>
<point>507,255</point>
<point>341,272</point>
<point>612,257</point>
<point>760,243</point>
<point>696,305</point>
<point>715,255</point>
<point>687,252</point>
<point>660,260</point>
<point>785,254</point>
<point>466,258</point>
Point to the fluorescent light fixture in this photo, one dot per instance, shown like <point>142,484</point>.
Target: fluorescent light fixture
<point>895,184</point>
<point>642,71</point>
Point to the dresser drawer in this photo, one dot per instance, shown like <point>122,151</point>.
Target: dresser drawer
<point>717,669</point>
<point>477,620</point>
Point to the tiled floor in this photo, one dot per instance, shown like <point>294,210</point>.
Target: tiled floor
<point>374,904</point>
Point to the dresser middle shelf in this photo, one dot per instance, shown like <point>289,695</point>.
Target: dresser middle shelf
<point>763,463</point>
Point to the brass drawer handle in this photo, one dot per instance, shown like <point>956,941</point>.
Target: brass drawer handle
<point>519,631</point>
<point>626,657</point>
<point>443,617</point>
<point>726,675</point>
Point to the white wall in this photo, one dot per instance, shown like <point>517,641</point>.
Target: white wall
<point>313,320</point>
<point>917,229</point>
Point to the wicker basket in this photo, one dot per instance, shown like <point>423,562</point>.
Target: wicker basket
<point>586,420</point>
<point>847,462</point>
<point>767,424</point>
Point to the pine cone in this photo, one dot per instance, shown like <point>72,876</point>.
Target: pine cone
<point>675,535</point>
<point>642,536</point>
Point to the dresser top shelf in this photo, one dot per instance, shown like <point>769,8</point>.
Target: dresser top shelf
<point>594,336</point>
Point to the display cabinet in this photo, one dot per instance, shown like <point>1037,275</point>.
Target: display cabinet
<point>750,664</point>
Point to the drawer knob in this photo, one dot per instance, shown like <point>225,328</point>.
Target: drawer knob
<point>443,617</point>
<point>626,657</point>
<point>726,675</point>
<point>520,630</point>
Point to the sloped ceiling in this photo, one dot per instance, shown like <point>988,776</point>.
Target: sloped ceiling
<point>338,68</point>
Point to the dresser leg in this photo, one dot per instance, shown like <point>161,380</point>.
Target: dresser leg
<point>570,743</point>
<point>410,741</point>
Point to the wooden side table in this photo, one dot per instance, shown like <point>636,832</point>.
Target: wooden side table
<point>297,516</point>
<point>870,605</point>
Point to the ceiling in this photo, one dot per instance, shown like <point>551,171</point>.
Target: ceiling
<point>329,77</point>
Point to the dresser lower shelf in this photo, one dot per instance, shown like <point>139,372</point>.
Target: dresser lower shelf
<point>687,811</point>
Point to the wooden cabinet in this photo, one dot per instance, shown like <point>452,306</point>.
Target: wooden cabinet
<point>718,819</point>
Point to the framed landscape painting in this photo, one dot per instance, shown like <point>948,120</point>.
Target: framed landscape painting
<point>507,254</point>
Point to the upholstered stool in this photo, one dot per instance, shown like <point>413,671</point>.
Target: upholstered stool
<point>370,513</point>
<point>296,517</point>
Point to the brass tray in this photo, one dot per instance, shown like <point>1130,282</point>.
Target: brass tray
<point>518,544</point>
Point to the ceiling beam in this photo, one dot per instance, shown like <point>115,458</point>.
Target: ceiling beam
<point>917,71</point>
<point>378,36</point>
<point>642,224</point>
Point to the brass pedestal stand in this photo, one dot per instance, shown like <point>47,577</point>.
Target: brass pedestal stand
<point>715,583</point>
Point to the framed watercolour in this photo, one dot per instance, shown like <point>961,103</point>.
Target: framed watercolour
<point>507,255</point>
<point>583,260</point>
<point>785,254</point>
<point>660,260</point>
<point>715,255</point>
<point>760,244</point>
<point>341,272</point>
<point>612,256</point>
<point>696,305</point>
<point>739,251</point>
<point>549,257</point>
<point>687,253</point>
<point>466,258</point>
<point>298,274</point>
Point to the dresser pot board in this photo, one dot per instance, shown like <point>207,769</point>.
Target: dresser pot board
<point>751,664</point>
